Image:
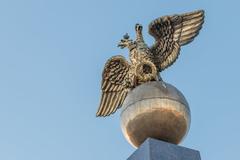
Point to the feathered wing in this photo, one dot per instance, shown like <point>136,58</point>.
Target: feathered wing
<point>171,32</point>
<point>114,89</point>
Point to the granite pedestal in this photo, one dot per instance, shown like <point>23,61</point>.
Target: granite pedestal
<point>153,149</point>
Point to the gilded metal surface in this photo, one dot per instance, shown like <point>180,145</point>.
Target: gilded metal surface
<point>119,76</point>
<point>157,110</point>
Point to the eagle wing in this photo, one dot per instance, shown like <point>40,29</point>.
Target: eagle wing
<point>114,89</point>
<point>171,32</point>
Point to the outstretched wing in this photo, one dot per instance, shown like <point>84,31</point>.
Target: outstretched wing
<point>171,32</point>
<point>114,89</point>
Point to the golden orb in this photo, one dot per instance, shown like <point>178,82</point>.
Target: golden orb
<point>155,110</point>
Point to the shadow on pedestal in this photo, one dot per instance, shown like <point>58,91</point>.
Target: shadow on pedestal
<point>153,149</point>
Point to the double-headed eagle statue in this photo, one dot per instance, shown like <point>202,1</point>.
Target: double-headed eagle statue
<point>120,76</point>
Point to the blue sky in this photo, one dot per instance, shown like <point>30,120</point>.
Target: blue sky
<point>52,54</point>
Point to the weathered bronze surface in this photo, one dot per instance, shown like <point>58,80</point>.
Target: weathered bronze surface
<point>155,110</point>
<point>119,76</point>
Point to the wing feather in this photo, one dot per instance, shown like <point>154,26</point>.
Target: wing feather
<point>171,32</point>
<point>116,103</point>
<point>191,25</point>
<point>111,102</point>
<point>113,86</point>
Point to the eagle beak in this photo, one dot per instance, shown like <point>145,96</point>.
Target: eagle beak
<point>121,45</point>
<point>125,42</point>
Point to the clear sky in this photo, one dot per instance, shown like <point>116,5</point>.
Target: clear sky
<point>52,54</point>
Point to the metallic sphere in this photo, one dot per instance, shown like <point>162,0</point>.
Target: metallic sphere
<point>157,110</point>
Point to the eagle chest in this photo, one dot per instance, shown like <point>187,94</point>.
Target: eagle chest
<point>137,56</point>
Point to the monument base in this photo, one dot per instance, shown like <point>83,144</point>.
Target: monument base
<point>153,149</point>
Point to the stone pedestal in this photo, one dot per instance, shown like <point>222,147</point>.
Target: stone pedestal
<point>153,149</point>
